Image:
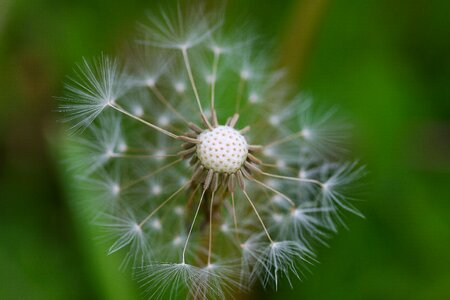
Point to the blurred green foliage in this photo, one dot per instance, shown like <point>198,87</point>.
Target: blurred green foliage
<point>384,63</point>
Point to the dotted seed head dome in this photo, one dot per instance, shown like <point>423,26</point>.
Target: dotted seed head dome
<point>223,149</point>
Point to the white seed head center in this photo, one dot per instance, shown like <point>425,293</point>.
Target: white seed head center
<point>223,149</point>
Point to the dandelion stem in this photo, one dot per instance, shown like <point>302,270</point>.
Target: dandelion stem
<point>210,227</point>
<point>151,174</point>
<point>276,192</point>
<point>146,150</point>
<point>294,178</point>
<point>118,108</point>
<point>235,217</point>
<point>277,166</point>
<point>257,214</point>
<point>194,88</point>
<point>119,155</point>
<point>239,94</point>
<point>192,226</point>
<point>214,75</point>
<point>286,139</point>
<point>163,204</point>
<point>164,101</point>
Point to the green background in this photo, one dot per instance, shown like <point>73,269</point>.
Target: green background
<point>385,63</point>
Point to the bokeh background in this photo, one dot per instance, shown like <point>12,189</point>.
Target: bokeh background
<point>385,63</point>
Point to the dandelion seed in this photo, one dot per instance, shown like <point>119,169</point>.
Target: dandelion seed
<point>203,202</point>
<point>94,87</point>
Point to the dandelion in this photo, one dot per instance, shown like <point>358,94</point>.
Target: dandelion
<point>208,171</point>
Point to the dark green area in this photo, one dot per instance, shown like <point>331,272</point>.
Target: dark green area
<point>386,64</point>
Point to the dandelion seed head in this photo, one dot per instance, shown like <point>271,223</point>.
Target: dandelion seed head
<point>214,172</point>
<point>222,149</point>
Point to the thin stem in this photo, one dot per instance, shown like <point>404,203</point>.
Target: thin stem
<point>269,165</point>
<point>239,94</point>
<point>164,101</point>
<point>294,178</point>
<point>146,150</point>
<point>286,139</point>
<point>257,214</point>
<point>277,166</point>
<point>118,108</point>
<point>194,88</point>
<point>235,217</point>
<point>163,204</point>
<point>151,174</point>
<point>276,192</point>
<point>192,226</point>
<point>210,227</point>
<point>119,155</point>
<point>214,75</point>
